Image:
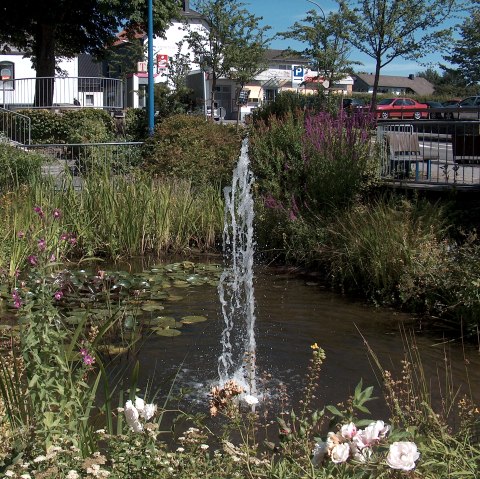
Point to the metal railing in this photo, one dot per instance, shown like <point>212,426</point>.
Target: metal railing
<point>80,159</point>
<point>62,93</point>
<point>14,127</point>
<point>449,152</point>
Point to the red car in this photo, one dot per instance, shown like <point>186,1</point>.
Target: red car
<point>401,108</point>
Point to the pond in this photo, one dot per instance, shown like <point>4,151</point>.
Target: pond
<point>292,313</point>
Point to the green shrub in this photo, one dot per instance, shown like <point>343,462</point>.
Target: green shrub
<point>18,167</point>
<point>136,124</point>
<point>75,126</point>
<point>46,126</point>
<point>88,126</point>
<point>189,147</point>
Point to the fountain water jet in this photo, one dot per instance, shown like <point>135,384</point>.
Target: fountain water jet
<point>235,289</point>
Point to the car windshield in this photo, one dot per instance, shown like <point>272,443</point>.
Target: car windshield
<point>385,101</point>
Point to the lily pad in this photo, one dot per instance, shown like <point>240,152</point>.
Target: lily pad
<point>173,297</point>
<point>151,307</point>
<point>193,319</point>
<point>167,332</point>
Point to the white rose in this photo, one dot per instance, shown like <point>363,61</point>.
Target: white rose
<point>348,430</point>
<point>319,452</point>
<point>250,400</point>
<point>139,404</point>
<point>149,411</point>
<point>340,452</point>
<point>131,416</point>
<point>402,455</point>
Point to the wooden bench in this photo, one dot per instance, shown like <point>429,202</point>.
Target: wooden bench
<point>403,151</point>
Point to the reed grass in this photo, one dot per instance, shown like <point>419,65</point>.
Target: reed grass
<point>120,216</point>
<point>378,247</point>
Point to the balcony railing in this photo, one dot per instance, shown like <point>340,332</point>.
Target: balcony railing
<point>62,93</point>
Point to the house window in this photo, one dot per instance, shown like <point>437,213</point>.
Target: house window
<point>89,100</point>
<point>7,75</point>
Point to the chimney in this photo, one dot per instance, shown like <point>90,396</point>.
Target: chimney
<point>411,76</point>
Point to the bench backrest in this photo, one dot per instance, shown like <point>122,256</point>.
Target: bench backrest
<point>402,143</point>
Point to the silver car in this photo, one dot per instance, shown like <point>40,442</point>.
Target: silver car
<point>467,109</point>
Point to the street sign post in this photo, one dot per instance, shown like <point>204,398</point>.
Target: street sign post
<point>298,73</point>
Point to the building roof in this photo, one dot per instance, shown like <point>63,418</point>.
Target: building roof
<point>283,56</point>
<point>419,85</point>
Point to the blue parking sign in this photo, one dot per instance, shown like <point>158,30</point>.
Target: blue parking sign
<point>297,75</point>
<point>298,72</point>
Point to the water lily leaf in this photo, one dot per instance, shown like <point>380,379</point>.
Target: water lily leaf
<point>173,297</point>
<point>159,295</point>
<point>167,332</point>
<point>158,321</point>
<point>193,319</point>
<point>181,284</point>
<point>113,349</point>
<point>151,307</point>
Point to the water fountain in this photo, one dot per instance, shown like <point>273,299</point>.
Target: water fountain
<point>235,289</point>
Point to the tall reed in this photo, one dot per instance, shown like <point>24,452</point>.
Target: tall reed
<point>121,216</point>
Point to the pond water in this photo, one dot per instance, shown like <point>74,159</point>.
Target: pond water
<point>292,313</point>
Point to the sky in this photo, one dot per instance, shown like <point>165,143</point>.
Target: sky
<point>281,14</point>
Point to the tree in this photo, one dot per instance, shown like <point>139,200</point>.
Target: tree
<point>466,50</point>
<point>328,47</point>
<point>217,48</point>
<point>388,29</point>
<point>52,29</point>
<point>247,55</point>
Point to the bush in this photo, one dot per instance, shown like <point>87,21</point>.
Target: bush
<point>288,102</point>
<point>18,166</point>
<point>75,126</point>
<point>136,124</point>
<point>88,126</point>
<point>46,126</point>
<point>314,165</point>
<point>189,147</point>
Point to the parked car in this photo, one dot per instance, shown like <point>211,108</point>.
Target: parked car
<point>401,108</point>
<point>453,103</point>
<point>352,104</point>
<point>435,115</point>
<point>470,107</point>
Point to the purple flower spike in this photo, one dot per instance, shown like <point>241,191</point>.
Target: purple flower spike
<point>58,295</point>
<point>21,235</point>
<point>56,213</point>
<point>33,260</point>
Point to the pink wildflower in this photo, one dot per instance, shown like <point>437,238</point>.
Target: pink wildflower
<point>17,300</point>
<point>33,260</point>
<point>56,213</point>
<point>21,235</point>
<point>58,295</point>
<point>39,211</point>
<point>41,244</point>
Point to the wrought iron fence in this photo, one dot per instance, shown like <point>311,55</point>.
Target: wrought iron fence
<point>62,93</point>
<point>435,152</point>
<point>14,127</point>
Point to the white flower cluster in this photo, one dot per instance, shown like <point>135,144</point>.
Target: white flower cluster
<point>133,413</point>
<point>358,444</point>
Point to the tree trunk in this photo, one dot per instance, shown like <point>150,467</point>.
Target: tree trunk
<point>212,93</point>
<point>373,105</point>
<point>45,66</point>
